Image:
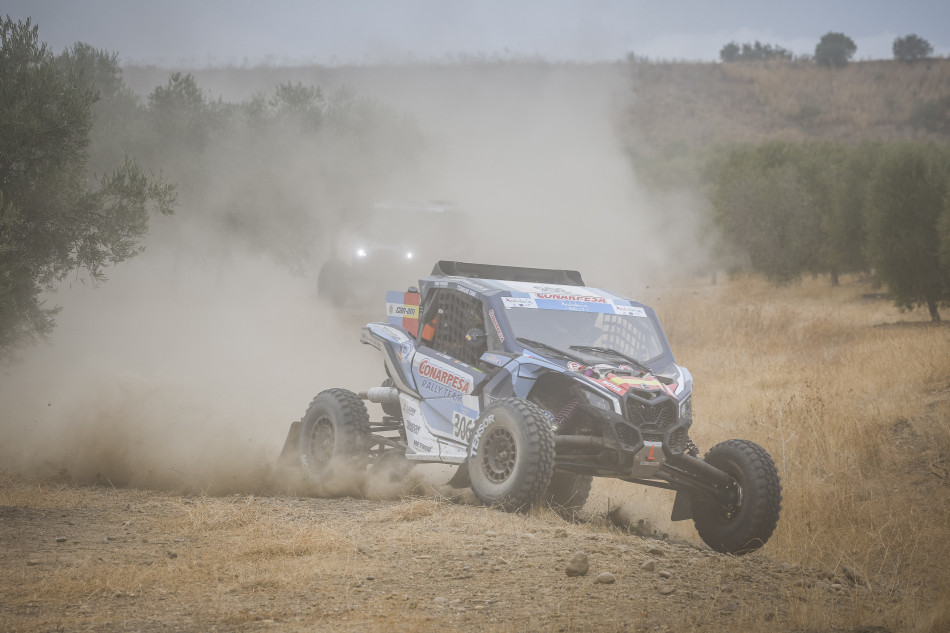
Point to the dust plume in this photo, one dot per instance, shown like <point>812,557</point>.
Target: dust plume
<point>185,370</point>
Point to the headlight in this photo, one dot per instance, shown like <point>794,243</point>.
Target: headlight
<point>599,401</point>
<point>361,252</point>
<point>409,255</point>
<point>686,407</point>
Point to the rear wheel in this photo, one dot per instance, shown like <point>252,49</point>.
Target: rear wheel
<point>747,520</point>
<point>511,458</point>
<point>334,436</point>
<point>568,491</point>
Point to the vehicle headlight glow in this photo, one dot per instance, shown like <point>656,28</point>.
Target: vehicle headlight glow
<point>361,252</point>
<point>409,255</point>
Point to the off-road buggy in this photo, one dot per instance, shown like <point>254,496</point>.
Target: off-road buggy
<point>533,383</point>
<point>384,245</point>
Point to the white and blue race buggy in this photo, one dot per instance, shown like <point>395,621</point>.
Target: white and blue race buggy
<point>534,383</point>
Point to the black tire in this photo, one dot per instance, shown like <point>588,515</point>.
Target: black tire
<point>747,524</point>
<point>334,436</point>
<point>511,457</point>
<point>333,281</point>
<point>568,491</point>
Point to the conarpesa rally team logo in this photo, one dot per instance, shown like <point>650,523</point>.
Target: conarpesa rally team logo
<point>445,377</point>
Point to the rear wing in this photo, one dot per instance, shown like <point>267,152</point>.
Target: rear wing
<point>507,273</point>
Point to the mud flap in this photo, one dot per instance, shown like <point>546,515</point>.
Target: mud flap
<point>460,478</point>
<point>291,451</point>
<point>682,507</point>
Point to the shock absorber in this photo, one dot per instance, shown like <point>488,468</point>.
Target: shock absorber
<point>568,409</point>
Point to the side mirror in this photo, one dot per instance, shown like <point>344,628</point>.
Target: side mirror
<point>475,337</point>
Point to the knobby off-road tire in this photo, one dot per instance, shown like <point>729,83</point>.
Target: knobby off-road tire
<point>568,491</point>
<point>748,525</point>
<point>335,436</point>
<point>511,457</point>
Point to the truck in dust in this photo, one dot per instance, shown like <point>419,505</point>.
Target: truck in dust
<point>387,244</point>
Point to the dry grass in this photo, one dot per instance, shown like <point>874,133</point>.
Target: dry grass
<point>679,106</point>
<point>852,398</point>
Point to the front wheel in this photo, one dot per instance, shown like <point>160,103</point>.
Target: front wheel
<point>511,457</point>
<point>746,521</point>
<point>334,436</point>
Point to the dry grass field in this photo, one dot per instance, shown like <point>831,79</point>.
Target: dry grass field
<point>680,106</point>
<point>851,397</point>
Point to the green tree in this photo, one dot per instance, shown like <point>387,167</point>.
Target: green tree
<point>908,194</point>
<point>117,111</point>
<point>834,49</point>
<point>729,52</point>
<point>844,221</point>
<point>758,51</point>
<point>943,231</point>
<point>302,106</point>
<point>766,211</point>
<point>56,217</point>
<point>911,48</point>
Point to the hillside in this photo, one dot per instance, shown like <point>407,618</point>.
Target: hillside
<point>673,105</point>
<point>696,105</point>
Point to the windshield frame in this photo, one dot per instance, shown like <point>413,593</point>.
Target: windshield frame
<point>516,329</point>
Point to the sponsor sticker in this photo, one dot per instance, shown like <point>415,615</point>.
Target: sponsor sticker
<point>561,296</point>
<point>394,334</point>
<point>494,321</point>
<point>405,352</point>
<point>495,359</point>
<point>518,302</point>
<point>630,311</point>
<point>441,379</point>
<point>422,447</point>
<point>574,365</point>
<point>402,309</point>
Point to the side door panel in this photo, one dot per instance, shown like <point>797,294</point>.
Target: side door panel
<point>449,388</point>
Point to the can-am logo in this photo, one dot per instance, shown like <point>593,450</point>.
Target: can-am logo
<point>445,377</point>
<point>567,297</point>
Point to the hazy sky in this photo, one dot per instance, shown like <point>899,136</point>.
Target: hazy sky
<point>235,32</point>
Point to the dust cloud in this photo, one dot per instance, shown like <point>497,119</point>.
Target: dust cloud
<point>185,370</point>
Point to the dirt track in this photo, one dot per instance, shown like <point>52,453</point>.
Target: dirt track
<point>112,560</point>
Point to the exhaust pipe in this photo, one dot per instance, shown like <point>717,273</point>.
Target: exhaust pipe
<point>381,395</point>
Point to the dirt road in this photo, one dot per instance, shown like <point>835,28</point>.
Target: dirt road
<point>100,559</point>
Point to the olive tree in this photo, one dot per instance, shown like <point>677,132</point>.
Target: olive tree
<point>911,48</point>
<point>908,195</point>
<point>834,49</point>
<point>57,218</point>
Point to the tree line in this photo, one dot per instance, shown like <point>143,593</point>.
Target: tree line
<point>880,209</point>
<point>833,49</point>
<point>85,163</point>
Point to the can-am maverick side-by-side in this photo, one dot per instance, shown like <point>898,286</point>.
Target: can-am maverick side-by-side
<point>534,383</point>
